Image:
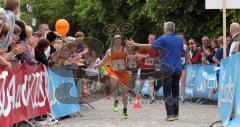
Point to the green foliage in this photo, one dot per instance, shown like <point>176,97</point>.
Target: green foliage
<point>1,3</point>
<point>23,12</point>
<point>190,16</point>
<point>147,16</point>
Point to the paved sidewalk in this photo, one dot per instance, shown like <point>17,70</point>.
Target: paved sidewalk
<point>151,115</point>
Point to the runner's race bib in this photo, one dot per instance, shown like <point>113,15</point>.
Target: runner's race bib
<point>118,65</point>
<point>149,61</point>
<point>157,66</point>
<point>183,60</point>
<point>132,64</point>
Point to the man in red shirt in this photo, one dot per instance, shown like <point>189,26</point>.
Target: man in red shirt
<point>147,65</point>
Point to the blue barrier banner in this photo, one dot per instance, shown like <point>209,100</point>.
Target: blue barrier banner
<point>136,86</point>
<point>191,79</point>
<point>205,81</point>
<point>201,79</point>
<point>62,92</point>
<point>235,122</point>
<point>236,73</point>
<point>192,73</point>
<point>227,85</point>
<point>145,89</point>
<point>237,96</point>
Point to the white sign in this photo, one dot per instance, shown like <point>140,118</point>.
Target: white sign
<point>34,22</point>
<point>218,4</point>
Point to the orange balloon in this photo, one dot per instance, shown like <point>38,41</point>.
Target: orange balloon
<point>62,27</point>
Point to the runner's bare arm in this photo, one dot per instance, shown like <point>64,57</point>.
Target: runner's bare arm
<point>140,56</point>
<point>105,58</point>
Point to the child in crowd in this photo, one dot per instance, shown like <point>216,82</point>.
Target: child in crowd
<point>91,72</point>
<point>75,58</point>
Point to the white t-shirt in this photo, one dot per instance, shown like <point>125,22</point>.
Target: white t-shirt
<point>47,52</point>
<point>234,48</point>
<point>185,47</point>
<point>90,70</point>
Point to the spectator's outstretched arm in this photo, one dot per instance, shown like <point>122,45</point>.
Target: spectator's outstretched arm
<point>8,56</point>
<point>15,51</point>
<point>85,51</point>
<point>89,61</point>
<point>4,62</point>
<point>68,62</point>
<point>132,43</point>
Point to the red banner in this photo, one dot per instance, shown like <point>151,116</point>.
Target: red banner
<point>23,93</point>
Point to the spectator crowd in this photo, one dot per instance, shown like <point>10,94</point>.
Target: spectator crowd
<point>20,44</point>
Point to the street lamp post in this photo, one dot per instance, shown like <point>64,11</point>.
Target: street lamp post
<point>30,12</point>
<point>224,30</point>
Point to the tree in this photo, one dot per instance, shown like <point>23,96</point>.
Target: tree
<point>146,16</point>
<point>49,11</point>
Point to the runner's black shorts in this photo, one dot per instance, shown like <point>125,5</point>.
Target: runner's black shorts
<point>93,78</point>
<point>146,74</point>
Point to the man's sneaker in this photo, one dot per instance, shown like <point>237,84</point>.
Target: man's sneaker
<point>182,100</point>
<point>125,114</point>
<point>170,118</point>
<point>175,117</point>
<point>152,99</point>
<point>115,106</point>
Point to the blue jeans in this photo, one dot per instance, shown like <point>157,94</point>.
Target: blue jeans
<point>171,93</point>
<point>217,75</point>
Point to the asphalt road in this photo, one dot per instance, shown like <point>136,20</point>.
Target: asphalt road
<point>150,115</point>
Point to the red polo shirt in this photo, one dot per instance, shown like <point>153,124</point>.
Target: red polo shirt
<point>148,63</point>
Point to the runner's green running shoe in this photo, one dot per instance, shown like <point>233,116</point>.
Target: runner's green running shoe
<point>125,114</point>
<point>115,106</point>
